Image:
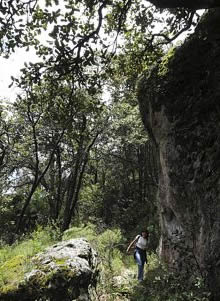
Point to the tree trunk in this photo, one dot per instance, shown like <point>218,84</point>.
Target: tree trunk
<point>37,180</point>
<point>59,184</point>
<point>68,203</point>
<point>26,204</point>
<point>82,160</point>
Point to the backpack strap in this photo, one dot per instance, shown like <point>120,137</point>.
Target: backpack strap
<point>138,236</point>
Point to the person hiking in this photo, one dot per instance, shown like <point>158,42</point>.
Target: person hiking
<point>140,253</point>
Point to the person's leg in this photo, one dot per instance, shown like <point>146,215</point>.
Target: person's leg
<point>140,272</point>
<point>140,266</point>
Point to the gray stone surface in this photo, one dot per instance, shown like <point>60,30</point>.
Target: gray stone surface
<point>180,107</point>
<point>66,271</point>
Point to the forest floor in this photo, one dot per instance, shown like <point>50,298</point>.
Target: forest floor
<point>118,270</point>
<point>122,286</point>
<point>126,287</point>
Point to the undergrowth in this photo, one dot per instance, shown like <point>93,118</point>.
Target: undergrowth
<point>15,260</point>
<point>118,269</point>
<point>163,285</point>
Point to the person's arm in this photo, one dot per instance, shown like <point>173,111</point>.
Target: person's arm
<point>132,243</point>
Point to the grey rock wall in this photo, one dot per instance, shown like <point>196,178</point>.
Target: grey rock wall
<point>180,107</point>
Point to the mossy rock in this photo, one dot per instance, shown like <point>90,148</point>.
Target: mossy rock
<point>66,271</point>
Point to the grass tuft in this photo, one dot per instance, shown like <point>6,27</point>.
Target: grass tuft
<point>15,260</point>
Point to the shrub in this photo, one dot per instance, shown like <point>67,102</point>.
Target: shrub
<point>88,231</point>
<point>163,285</point>
<point>108,245</point>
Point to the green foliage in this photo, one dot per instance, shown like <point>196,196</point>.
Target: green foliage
<point>15,260</point>
<point>118,270</point>
<point>106,243</point>
<point>164,65</point>
<point>161,284</point>
<point>122,171</point>
<point>90,38</point>
<point>52,132</point>
<point>77,140</point>
<point>63,151</point>
<point>90,200</point>
<point>88,231</point>
<point>12,271</point>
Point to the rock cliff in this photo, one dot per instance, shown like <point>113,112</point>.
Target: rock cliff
<point>66,271</point>
<point>180,107</point>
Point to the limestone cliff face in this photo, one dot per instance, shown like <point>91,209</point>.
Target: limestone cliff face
<point>180,107</point>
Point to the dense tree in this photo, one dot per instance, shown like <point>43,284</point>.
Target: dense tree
<point>84,47</point>
<point>3,139</point>
<point>63,150</point>
<point>66,143</point>
<point>121,177</point>
<point>54,129</point>
<point>54,133</point>
<point>196,4</point>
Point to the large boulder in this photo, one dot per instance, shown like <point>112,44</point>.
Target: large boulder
<point>66,271</point>
<point>180,107</point>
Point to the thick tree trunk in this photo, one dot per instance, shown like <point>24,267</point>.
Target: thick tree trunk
<point>191,4</point>
<point>180,104</point>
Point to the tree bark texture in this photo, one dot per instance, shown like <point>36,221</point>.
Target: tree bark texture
<point>180,105</point>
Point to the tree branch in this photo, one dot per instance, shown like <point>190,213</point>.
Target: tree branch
<point>191,4</point>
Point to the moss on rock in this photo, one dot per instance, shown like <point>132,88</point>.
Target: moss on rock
<point>163,67</point>
<point>66,271</point>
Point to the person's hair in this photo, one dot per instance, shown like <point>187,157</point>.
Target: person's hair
<point>145,231</point>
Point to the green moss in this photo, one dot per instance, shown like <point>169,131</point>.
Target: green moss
<point>16,260</point>
<point>8,288</point>
<point>163,67</point>
<point>13,263</point>
<point>59,261</point>
<point>41,280</point>
<point>10,272</point>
